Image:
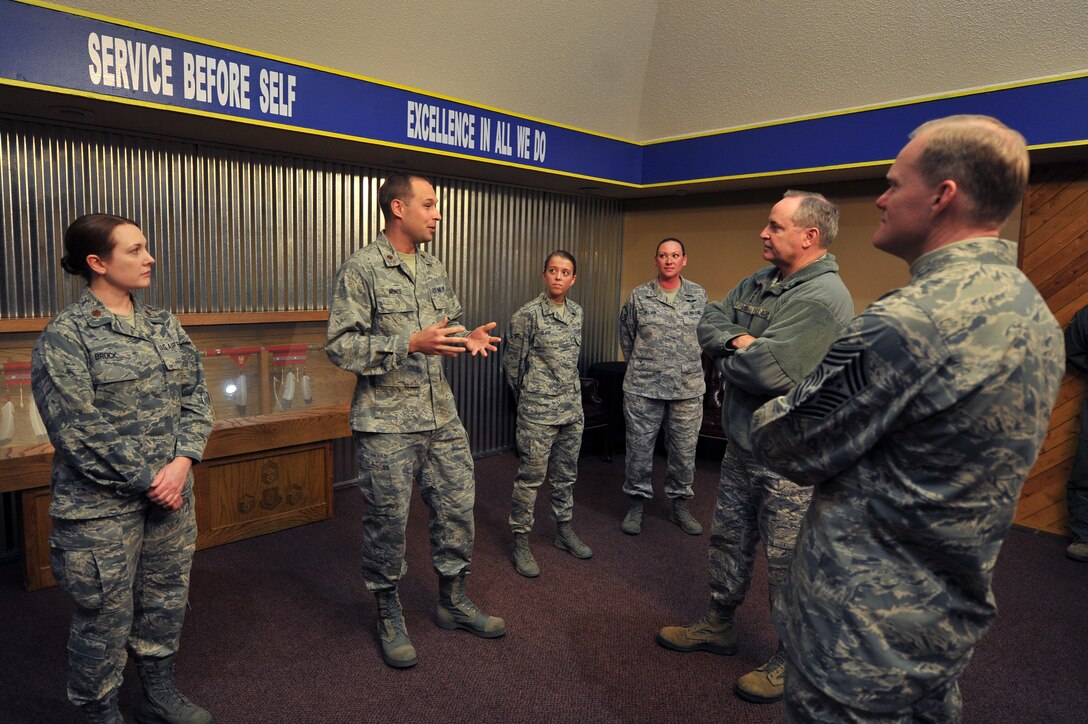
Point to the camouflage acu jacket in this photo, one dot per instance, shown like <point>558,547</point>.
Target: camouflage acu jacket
<point>376,306</point>
<point>795,320</point>
<point>119,402</point>
<point>917,430</point>
<point>659,343</point>
<point>540,361</point>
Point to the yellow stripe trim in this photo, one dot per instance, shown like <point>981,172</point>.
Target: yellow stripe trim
<point>308,131</point>
<point>452,154</point>
<point>876,107</point>
<point>468,157</point>
<point>703,134</point>
<point>1065,144</point>
<point>312,66</point>
<point>768,174</point>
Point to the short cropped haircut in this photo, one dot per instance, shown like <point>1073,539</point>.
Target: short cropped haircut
<point>397,186</point>
<point>562,254</point>
<point>987,160</point>
<point>816,211</point>
<point>668,239</point>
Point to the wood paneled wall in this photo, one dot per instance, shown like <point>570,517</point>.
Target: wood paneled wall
<point>1054,255</point>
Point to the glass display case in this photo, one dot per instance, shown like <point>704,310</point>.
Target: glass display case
<point>250,370</point>
<point>278,405</point>
<point>20,422</point>
<point>261,372</point>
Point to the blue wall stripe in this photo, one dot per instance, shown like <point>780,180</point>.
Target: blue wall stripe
<point>47,47</point>
<point>1053,113</point>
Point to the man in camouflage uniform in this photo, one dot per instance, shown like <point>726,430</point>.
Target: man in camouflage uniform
<point>917,431</point>
<point>771,330</point>
<point>1076,488</point>
<point>125,405</point>
<point>540,361</point>
<point>392,318</point>
<point>663,385</point>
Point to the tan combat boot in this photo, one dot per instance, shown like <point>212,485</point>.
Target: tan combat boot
<point>683,518</point>
<point>632,521</point>
<point>713,633</point>
<point>456,610</point>
<point>103,711</point>
<point>766,684</point>
<point>397,649</point>
<point>161,700</point>
<point>567,540</point>
<point>1077,551</point>
<point>522,557</point>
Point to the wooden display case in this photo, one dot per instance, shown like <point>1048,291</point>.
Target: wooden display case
<point>268,463</point>
<point>247,495</point>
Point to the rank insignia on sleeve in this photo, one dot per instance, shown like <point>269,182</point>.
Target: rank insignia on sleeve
<point>840,377</point>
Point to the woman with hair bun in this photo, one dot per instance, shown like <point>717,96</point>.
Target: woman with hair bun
<point>540,362</point>
<point>121,391</point>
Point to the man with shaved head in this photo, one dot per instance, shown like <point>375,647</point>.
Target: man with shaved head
<point>916,433</point>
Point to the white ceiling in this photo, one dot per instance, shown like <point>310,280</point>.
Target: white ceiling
<point>651,69</point>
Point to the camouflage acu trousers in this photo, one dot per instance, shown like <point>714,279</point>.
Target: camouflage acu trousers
<point>389,463</point>
<point>644,417</point>
<point>805,703</point>
<point>546,451</point>
<point>753,502</point>
<point>129,578</point>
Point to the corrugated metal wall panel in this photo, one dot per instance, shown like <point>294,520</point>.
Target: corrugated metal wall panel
<point>345,467</point>
<point>235,230</point>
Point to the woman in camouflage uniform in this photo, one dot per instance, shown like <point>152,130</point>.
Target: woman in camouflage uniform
<point>121,391</point>
<point>540,361</point>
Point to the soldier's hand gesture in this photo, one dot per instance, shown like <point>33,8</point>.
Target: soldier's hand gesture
<point>438,339</point>
<point>480,342</point>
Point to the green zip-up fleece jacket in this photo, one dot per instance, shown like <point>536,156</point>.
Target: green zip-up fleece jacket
<point>795,320</point>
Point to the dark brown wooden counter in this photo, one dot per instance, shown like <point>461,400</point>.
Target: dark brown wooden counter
<point>259,474</point>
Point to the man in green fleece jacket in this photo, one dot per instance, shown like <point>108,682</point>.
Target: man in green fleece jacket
<point>771,330</point>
